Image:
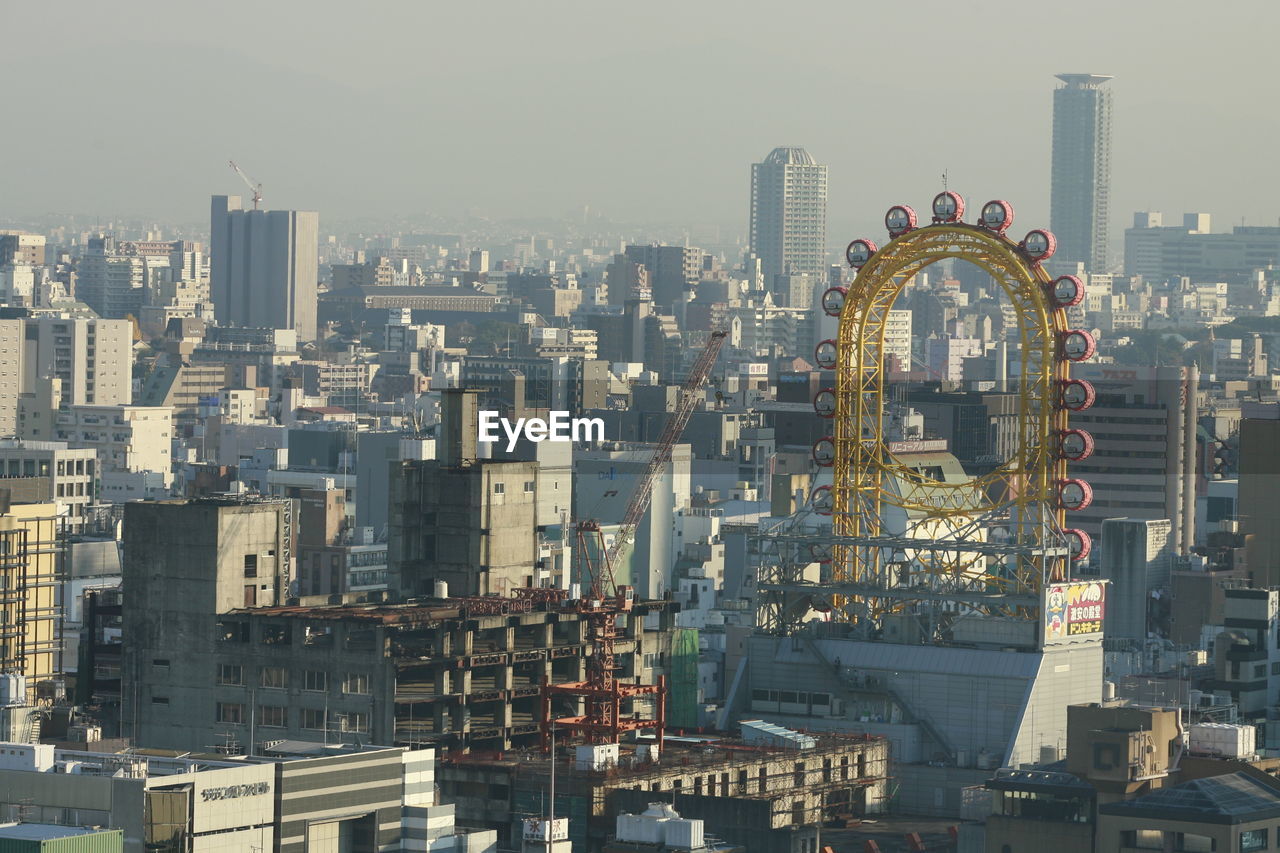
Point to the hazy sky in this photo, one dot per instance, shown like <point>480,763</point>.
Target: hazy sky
<point>649,111</point>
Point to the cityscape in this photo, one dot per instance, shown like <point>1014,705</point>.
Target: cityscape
<point>416,477</point>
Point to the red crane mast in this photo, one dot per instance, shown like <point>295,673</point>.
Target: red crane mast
<point>602,692</point>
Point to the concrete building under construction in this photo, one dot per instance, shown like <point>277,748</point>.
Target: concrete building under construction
<point>460,673</point>
<point>769,796</point>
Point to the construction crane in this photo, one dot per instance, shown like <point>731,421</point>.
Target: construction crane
<point>602,692</point>
<point>255,188</point>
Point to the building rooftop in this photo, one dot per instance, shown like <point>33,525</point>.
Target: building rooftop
<point>1084,81</point>
<point>790,157</point>
<point>1234,798</point>
<point>43,831</point>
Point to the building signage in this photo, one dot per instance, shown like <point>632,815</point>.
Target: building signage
<point>928,445</point>
<point>1074,610</point>
<point>235,792</point>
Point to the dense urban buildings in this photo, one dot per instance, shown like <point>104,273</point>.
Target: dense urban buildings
<point>353,535</point>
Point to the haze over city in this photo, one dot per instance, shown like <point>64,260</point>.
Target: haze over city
<point>704,427</point>
<point>643,113</point>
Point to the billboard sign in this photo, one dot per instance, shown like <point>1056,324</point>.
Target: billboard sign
<point>1074,610</point>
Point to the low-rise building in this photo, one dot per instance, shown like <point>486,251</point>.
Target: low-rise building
<point>290,797</point>
<point>128,439</point>
<point>71,473</point>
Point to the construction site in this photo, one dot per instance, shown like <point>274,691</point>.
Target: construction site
<point>771,790</point>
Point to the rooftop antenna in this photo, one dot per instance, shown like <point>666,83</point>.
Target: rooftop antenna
<point>944,180</point>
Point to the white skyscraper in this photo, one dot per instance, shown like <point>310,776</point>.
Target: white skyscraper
<point>263,267</point>
<point>789,215</point>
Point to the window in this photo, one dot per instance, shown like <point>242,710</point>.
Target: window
<point>276,635</point>
<point>1253,839</point>
<point>230,673</point>
<point>499,488</point>
<point>313,718</point>
<point>159,700</point>
<point>271,715</point>
<point>528,487</point>
<point>355,722</point>
<point>160,662</point>
<point>251,565</point>
<point>315,679</point>
<point>356,682</point>
<point>230,712</point>
<point>275,677</point>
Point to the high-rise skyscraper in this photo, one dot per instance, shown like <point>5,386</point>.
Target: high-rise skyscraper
<point>1081,176</point>
<point>263,266</point>
<point>789,215</point>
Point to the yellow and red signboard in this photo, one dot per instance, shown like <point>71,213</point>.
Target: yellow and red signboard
<point>1076,609</point>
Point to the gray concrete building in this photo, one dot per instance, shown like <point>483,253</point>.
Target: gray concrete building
<point>186,562</point>
<point>263,266</point>
<point>465,673</point>
<point>1136,557</point>
<point>460,519</point>
<point>672,270</point>
<point>1144,462</point>
<point>951,713</point>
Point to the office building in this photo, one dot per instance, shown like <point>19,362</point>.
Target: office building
<point>17,247</point>
<point>1259,497</point>
<point>1137,559</point>
<point>112,284</point>
<point>289,797</point>
<point>673,270</point>
<point>1144,461</point>
<point>1081,172</point>
<point>70,474</point>
<point>263,267</point>
<point>93,359</point>
<point>134,445</point>
<point>186,562</point>
<point>1161,253</point>
<point>30,615</point>
<point>789,215</point>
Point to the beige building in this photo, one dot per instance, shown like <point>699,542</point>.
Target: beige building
<point>93,358</point>
<point>129,439</point>
<point>29,642</point>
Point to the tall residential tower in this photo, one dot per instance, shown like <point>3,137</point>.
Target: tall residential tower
<point>789,215</point>
<point>263,267</point>
<point>1081,176</point>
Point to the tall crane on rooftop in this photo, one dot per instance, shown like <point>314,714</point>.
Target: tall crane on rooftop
<point>602,692</point>
<point>256,188</point>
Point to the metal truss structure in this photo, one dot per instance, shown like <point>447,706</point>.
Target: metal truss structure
<point>900,541</point>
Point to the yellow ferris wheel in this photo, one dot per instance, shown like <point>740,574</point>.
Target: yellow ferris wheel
<point>987,543</point>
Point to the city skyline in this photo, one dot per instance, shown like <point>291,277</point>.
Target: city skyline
<point>470,146</point>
